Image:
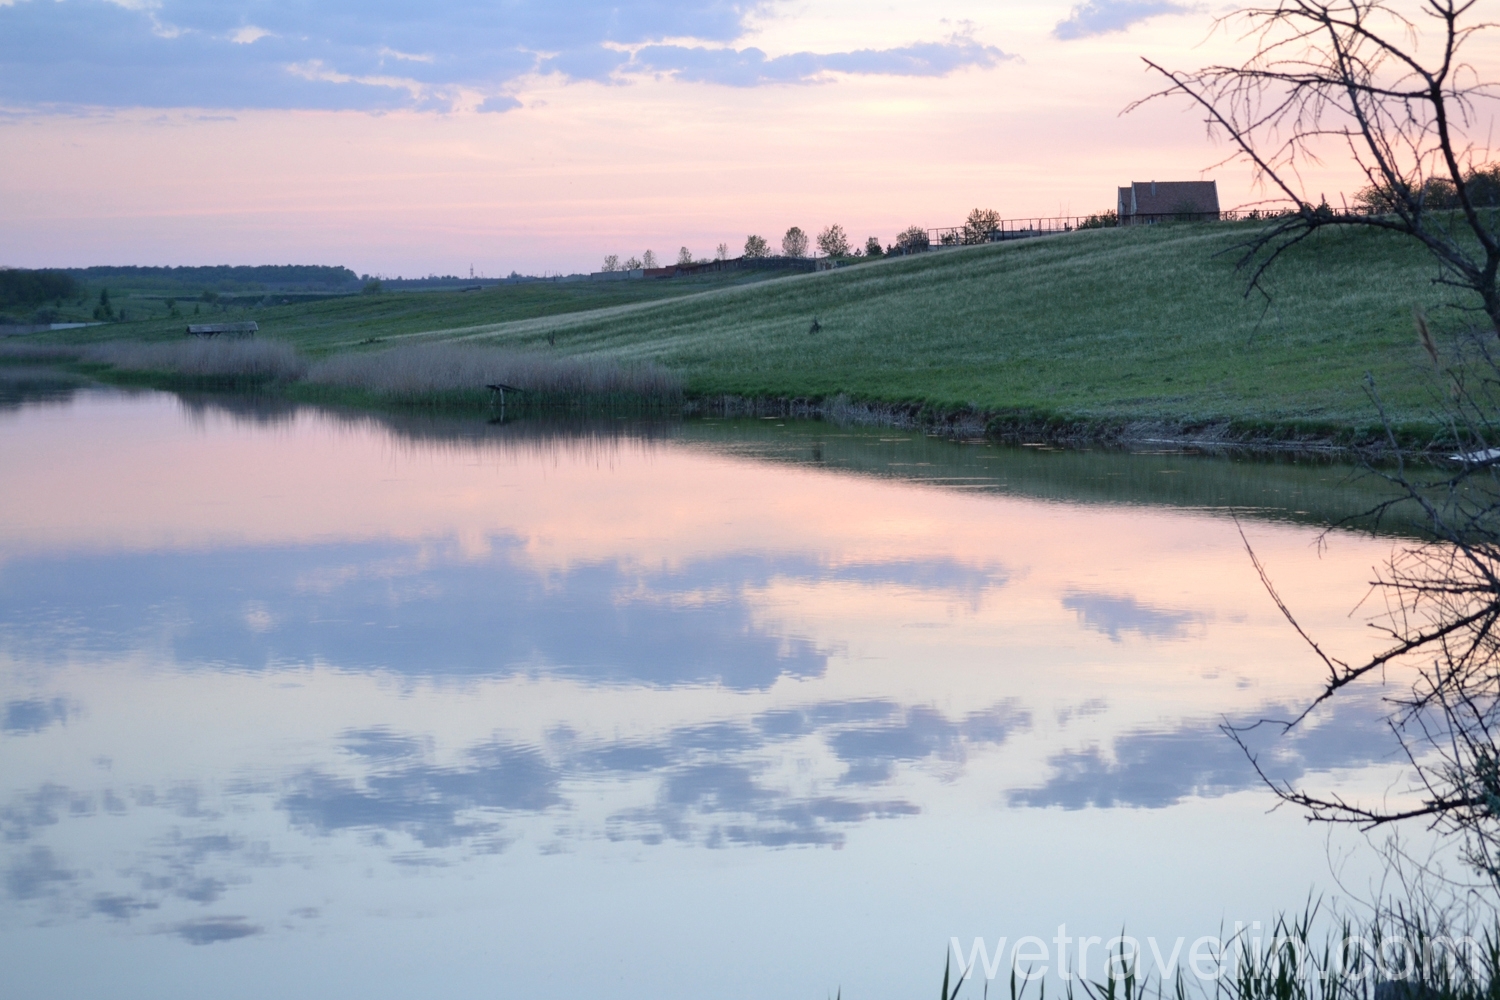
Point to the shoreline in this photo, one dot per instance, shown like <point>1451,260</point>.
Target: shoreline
<point>1037,427</point>
<point>1322,439</point>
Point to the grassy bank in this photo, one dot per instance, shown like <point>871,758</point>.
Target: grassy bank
<point>1096,330</point>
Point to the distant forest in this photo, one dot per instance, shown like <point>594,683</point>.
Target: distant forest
<point>23,289</point>
<point>223,277</point>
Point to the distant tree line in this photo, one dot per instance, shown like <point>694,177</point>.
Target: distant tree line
<point>224,277</point>
<point>21,289</point>
<point>833,241</point>
<point>1481,184</point>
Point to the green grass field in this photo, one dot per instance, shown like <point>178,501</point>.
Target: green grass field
<point>1140,323</point>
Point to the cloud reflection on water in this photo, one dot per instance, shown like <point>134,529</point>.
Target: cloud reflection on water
<point>432,610</point>
<point>439,667</point>
<point>1115,614</point>
<point>1156,768</point>
<point>32,715</point>
<point>713,785</point>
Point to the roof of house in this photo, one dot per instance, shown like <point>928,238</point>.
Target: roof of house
<point>1169,197</point>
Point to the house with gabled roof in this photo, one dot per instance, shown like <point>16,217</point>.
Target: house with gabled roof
<point>1145,202</point>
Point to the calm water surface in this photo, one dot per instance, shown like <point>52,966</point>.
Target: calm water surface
<point>301,705</point>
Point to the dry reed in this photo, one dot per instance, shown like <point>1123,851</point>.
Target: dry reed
<point>252,360</point>
<point>431,371</point>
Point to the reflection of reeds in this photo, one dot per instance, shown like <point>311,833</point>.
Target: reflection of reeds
<point>439,372</point>
<point>35,353</point>
<point>210,360</point>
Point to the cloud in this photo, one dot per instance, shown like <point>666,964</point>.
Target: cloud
<point>383,55</point>
<point>500,103</point>
<point>249,34</point>
<point>1100,17</point>
<point>752,67</point>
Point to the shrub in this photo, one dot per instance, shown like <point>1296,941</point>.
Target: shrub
<point>1104,220</point>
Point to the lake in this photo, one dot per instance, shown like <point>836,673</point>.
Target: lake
<point>304,704</point>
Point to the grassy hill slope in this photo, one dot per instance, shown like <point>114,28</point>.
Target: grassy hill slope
<point>1127,323</point>
<point>334,324</point>
<point>1103,323</point>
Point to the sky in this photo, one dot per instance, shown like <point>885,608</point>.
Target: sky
<point>409,139</point>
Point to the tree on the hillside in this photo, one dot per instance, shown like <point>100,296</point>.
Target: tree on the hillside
<point>833,241</point>
<point>633,264</point>
<point>794,243</point>
<point>648,259</point>
<point>872,247</point>
<point>1388,81</point>
<point>912,239</point>
<point>612,262</point>
<point>756,246</point>
<point>1482,183</point>
<point>684,256</point>
<point>980,223</point>
<point>721,252</point>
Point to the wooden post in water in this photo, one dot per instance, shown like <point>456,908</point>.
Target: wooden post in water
<point>498,390</point>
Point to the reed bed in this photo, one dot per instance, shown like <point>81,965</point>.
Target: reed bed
<point>235,361</point>
<point>440,373</point>
<point>1401,953</point>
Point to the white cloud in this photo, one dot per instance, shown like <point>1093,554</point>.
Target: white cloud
<point>1099,17</point>
<point>454,54</point>
<point>390,53</point>
<point>249,35</point>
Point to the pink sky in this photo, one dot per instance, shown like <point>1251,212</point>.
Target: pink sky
<point>586,167</point>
